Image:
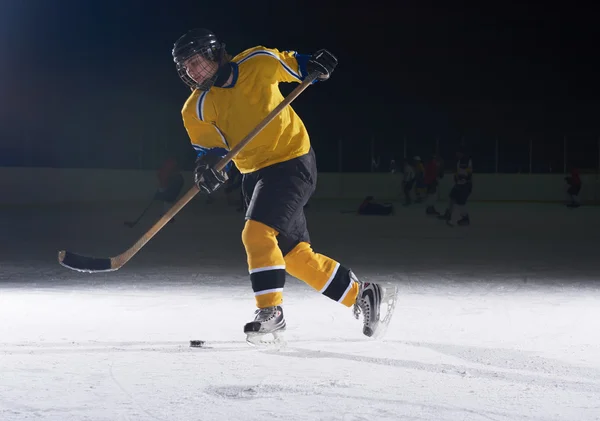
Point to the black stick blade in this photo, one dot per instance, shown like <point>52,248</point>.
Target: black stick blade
<point>81,263</point>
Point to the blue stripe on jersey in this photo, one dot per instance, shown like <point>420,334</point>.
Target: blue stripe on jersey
<point>200,106</point>
<point>222,136</point>
<point>268,53</point>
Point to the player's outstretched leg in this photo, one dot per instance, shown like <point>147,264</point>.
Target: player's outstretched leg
<point>267,321</point>
<point>340,284</point>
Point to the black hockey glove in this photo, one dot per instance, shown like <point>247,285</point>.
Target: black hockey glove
<point>206,177</point>
<point>322,61</point>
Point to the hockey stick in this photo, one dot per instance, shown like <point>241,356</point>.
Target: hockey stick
<point>82,263</point>
<point>131,224</point>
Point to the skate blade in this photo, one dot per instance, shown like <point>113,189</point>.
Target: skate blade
<point>273,340</point>
<point>390,297</point>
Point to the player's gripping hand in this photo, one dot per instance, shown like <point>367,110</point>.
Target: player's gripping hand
<point>323,62</point>
<point>206,177</point>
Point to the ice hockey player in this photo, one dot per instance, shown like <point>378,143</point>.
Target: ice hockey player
<point>230,96</point>
<point>433,173</point>
<point>420,187</point>
<point>461,191</point>
<point>408,181</point>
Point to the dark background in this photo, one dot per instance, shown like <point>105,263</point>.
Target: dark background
<point>92,84</point>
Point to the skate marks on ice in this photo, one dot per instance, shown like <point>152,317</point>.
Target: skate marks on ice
<point>474,362</point>
<point>103,347</point>
<point>468,362</point>
<point>495,364</point>
<point>189,377</point>
<point>130,396</point>
<point>513,360</point>
<point>339,392</point>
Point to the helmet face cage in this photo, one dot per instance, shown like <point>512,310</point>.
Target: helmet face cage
<point>205,55</point>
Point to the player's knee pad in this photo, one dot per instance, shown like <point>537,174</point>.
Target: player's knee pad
<point>260,242</point>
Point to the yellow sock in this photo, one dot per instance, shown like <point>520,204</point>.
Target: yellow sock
<point>322,273</point>
<point>265,263</point>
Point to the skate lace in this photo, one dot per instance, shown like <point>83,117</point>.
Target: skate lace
<point>265,314</point>
<point>358,308</point>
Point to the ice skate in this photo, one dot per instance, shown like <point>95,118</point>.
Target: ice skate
<point>267,327</point>
<point>377,305</point>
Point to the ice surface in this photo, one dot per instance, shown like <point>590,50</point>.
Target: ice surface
<point>497,321</point>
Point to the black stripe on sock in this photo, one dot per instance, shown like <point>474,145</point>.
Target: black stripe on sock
<point>339,284</point>
<point>268,279</point>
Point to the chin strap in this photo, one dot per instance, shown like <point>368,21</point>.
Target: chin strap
<point>223,75</point>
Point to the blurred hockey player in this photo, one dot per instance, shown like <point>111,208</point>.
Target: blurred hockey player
<point>434,171</point>
<point>463,185</point>
<point>408,181</point>
<point>170,182</point>
<point>420,187</point>
<point>574,182</point>
<point>230,96</point>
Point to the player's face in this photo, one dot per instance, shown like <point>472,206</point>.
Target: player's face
<point>200,68</point>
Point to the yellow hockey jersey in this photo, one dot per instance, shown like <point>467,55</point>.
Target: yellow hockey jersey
<point>220,118</point>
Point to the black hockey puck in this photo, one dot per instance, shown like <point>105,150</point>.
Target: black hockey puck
<point>196,343</point>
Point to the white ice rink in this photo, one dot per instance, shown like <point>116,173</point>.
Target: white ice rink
<point>499,321</point>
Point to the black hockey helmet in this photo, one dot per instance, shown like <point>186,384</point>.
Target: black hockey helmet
<point>198,42</point>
